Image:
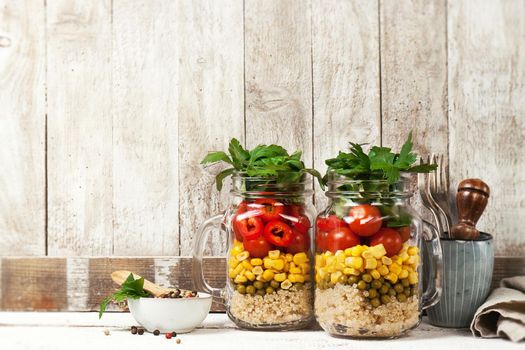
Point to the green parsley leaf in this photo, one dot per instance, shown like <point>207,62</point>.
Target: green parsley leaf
<point>131,288</point>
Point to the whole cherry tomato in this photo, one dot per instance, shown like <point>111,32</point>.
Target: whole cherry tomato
<point>278,233</point>
<point>321,240</point>
<point>249,228</point>
<point>329,223</point>
<point>270,208</point>
<point>258,247</point>
<point>404,232</point>
<point>301,224</point>
<point>340,239</point>
<point>300,243</point>
<point>389,238</point>
<point>364,219</point>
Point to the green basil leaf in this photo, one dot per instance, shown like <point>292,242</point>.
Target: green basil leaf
<point>214,157</point>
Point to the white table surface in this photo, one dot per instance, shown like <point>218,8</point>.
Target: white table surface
<point>83,330</point>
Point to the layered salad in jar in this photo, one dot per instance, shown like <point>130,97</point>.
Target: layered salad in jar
<point>269,264</point>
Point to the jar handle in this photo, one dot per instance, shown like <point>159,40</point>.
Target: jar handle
<point>198,251</point>
<point>432,294</point>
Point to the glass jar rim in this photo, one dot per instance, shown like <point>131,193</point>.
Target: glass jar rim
<point>267,186</point>
<point>342,185</point>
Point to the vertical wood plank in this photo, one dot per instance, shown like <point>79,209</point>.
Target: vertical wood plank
<point>79,127</point>
<point>145,147</point>
<point>210,105</point>
<point>414,78</point>
<point>345,78</point>
<point>414,74</point>
<point>278,74</point>
<point>487,110</point>
<point>22,127</point>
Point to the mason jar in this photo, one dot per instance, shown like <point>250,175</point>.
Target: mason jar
<point>269,256</point>
<point>367,259</point>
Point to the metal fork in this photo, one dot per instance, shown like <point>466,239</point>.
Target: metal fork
<point>438,190</point>
<point>423,185</point>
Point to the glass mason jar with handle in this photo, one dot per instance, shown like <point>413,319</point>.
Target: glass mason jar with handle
<point>367,260</point>
<point>268,225</point>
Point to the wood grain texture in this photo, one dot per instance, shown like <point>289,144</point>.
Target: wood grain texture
<point>80,283</point>
<point>414,78</point>
<point>486,60</point>
<point>414,74</point>
<point>145,128</point>
<point>22,127</point>
<point>79,127</point>
<point>278,74</point>
<point>210,106</point>
<point>345,61</point>
<point>30,284</point>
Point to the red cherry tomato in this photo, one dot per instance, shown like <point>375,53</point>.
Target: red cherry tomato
<point>258,247</point>
<point>404,232</point>
<point>249,228</point>
<point>389,238</point>
<point>295,209</point>
<point>364,219</point>
<point>300,243</point>
<point>340,239</point>
<point>301,224</point>
<point>278,233</point>
<point>320,241</point>
<point>329,223</point>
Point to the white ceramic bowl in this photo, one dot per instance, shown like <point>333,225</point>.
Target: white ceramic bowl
<point>181,315</point>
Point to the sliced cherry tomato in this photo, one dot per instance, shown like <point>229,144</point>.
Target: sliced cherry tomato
<point>301,224</point>
<point>249,228</point>
<point>389,238</point>
<point>329,223</point>
<point>241,208</point>
<point>300,243</point>
<point>270,209</point>
<point>258,247</point>
<point>340,239</point>
<point>364,219</point>
<point>278,233</point>
<point>404,232</point>
<point>320,241</point>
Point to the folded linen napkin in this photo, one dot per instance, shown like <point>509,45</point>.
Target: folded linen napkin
<point>503,313</point>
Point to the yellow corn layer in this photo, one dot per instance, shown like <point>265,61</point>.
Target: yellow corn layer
<point>277,266</point>
<point>361,259</point>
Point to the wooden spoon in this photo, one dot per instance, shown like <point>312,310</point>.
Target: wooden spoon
<point>154,289</point>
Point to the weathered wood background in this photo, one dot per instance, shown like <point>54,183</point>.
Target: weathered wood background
<point>107,107</point>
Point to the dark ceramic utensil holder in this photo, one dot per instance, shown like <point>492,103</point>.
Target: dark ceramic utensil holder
<point>467,276</point>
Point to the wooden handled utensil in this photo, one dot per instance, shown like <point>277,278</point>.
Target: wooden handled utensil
<point>472,198</point>
<point>154,289</point>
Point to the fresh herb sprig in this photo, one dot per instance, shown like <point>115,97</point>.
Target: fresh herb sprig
<point>379,164</point>
<point>262,161</point>
<point>131,288</point>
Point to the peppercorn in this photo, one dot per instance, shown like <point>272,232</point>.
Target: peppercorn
<point>178,341</point>
<point>106,331</point>
<point>168,335</point>
<point>133,330</point>
<point>140,331</point>
<point>174,334</point>
<point>156,332</point>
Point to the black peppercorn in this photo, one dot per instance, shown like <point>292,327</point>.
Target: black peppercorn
<point>133,330</point>
<point>140,331</point>
<point>156,332</point>
<point>173,334</point>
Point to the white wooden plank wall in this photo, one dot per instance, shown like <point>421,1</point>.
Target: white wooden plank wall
<point>107,106</point>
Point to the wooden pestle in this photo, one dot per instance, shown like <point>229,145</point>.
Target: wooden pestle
<point>471,199</point>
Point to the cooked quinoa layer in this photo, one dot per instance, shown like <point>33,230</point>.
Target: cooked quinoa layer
<point>344,310</point>
<point>277,308</point>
